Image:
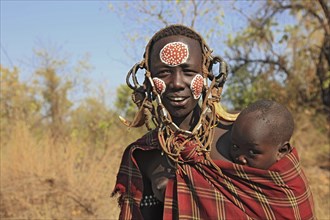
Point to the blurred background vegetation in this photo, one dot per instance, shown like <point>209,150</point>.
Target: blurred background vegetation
<point>59,155</point>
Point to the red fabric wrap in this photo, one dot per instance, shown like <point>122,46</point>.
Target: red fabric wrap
<point>200,191</point>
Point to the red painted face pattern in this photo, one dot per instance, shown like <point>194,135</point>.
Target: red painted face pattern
<point>174,53</point>
<point>160,85</point>
<point>196,86</point>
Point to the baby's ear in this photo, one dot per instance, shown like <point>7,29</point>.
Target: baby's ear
<point>283,150</point>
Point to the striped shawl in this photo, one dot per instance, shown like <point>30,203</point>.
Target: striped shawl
<point>206,189</point>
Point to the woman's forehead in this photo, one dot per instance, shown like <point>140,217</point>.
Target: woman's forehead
<point>192,44</point>
<point>176,50</point>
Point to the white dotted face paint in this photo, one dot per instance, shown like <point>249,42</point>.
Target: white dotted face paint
<point>174,53</point>
<point>160,85</point>
<point>196,86</point>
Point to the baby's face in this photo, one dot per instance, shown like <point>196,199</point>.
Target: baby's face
<point>251,143</point>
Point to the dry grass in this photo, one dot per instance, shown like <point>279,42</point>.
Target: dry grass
<point>46,180</point>
<point>43,179</point>
<point>311,138</point>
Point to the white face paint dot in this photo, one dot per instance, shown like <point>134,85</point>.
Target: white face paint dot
<point>174,53</point>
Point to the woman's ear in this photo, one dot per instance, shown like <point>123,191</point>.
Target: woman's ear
<point>283,150</point>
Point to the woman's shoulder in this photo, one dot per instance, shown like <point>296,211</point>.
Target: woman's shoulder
<point>222,128</point>
<point>148,140</point>
<point>221,141</point>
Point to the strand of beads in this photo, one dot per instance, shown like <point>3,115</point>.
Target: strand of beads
<point>149,200</point>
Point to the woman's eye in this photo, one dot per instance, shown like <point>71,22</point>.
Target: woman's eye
<point>189,72</point>
<point>235,147</point>
<point>163,73</point>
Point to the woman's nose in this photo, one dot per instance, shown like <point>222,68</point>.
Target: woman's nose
<point>177,80</point>
<point>241,159</point>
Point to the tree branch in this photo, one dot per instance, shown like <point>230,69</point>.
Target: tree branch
<point>264,61</point>
<point>298,6</point>
<point>195,14</point>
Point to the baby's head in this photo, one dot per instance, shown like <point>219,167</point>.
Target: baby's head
<point>261,134</point>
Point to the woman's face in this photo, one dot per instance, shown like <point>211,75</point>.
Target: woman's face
<point>176,68</point>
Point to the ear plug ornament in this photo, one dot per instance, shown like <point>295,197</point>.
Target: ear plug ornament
<point>160,85</point>
<point>174,53</point>
<point>196,86</point>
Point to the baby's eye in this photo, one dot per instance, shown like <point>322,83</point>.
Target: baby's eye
<point>235,147</point>
<point>253,153</point>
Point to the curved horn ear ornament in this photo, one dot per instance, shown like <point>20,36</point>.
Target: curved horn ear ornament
<point>222,114</point>
<point>132,75</point>
<point>221,77</point>
<point>220,80</point>
<point>139,98</point>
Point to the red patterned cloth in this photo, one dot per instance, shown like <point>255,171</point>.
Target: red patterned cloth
<point>219,189</point>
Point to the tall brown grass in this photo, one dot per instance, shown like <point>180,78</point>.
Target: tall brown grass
<point>46,179</point>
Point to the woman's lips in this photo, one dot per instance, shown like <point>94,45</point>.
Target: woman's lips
<point>177,101</point>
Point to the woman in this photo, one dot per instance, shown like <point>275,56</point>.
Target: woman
<point>179,170</point>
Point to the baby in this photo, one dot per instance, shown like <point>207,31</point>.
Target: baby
<point>261,134</point>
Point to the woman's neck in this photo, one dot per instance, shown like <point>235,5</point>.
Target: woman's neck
<point>189,121</point>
